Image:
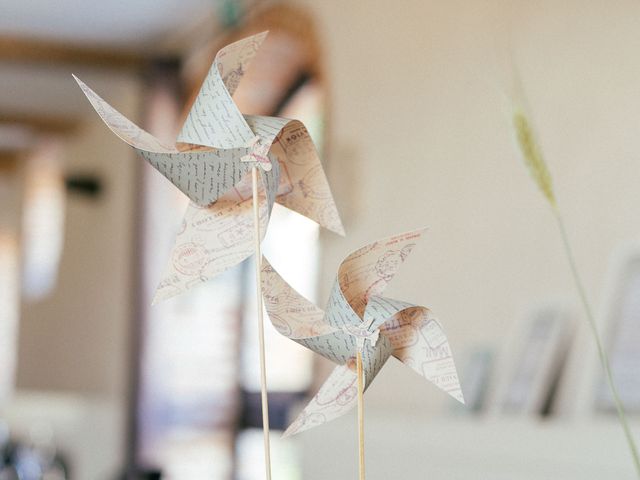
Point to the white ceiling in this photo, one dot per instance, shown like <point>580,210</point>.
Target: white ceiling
<point>130,24</point>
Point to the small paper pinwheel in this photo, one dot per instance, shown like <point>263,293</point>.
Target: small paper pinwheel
<point>215,150</point>
<point>358,318</point>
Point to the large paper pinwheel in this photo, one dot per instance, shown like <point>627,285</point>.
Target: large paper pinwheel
<point>215,150</point>
<point>359,318</point>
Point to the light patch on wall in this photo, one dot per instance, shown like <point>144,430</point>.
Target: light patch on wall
<point>9,275</point>
<point>43,219</point>
<point>8,312</point>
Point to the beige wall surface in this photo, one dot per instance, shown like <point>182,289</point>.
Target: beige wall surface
<point>420,132</point>
<point>73,344</point>
<point>76,339</point>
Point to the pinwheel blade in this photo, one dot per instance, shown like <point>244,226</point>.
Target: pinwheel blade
<point>336,397</point>
<point>214,119</point>
<point>306,189</point>
<point>203,176</point>
<point>290,313</point>
<point>338,394</point>
<point>124,128</point>
<point>420,343</point>
<point>367,272</point>
<point>216,238</point>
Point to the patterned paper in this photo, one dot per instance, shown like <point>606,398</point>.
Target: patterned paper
<point>358,317</point>
<point>211,163</point>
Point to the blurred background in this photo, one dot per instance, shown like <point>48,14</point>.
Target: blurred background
<point>406,103</point>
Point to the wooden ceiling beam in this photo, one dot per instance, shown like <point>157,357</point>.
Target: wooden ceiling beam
<point>41,123</point>
<point>31,50</point>
<point>8,160</point>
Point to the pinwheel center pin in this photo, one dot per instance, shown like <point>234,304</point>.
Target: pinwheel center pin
<point>259,153</point>
<point>362,333</point>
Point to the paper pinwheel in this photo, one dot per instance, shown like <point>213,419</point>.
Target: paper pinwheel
<point>215,150</point>
<point>359,318</point>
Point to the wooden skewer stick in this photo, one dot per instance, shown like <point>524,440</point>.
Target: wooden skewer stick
<point>360,413</point>
<point>263,366</point>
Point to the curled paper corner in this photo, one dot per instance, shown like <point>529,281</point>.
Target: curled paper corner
<point>416,233</point>
<point>80,83</point>
<point>77,79</point>
<point>289,432</point>
<point>419,230</point>
<point>155,300</point>
<point>166,290</point>
<point>339,230</point>
<point>303,422</point>
<point>261,36</point>
<point>159,297</point>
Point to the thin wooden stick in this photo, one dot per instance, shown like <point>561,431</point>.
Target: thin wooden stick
<point>360,413</point>
<point>263,366</point>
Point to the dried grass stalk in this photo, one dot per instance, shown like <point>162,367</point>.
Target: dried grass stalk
<point>534,161</point>
<point>532,154</point>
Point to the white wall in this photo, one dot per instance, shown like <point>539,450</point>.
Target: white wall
<point>418,123</point>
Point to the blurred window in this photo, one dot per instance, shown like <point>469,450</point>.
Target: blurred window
<point>198,406</point>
